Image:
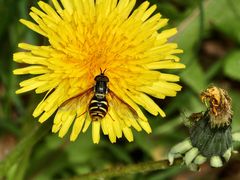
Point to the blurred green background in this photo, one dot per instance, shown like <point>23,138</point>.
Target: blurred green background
<point>209,34</point>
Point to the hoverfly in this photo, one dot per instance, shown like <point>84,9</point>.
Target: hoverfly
<point>98,105</point>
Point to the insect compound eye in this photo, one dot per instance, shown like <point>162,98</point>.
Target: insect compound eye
<point>106,79</point>
<point>101,78</point>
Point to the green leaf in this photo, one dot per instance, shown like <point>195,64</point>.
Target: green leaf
<point>189,35</point>
<point>234,94</point>
<point>232,65</point>
<point>195,77</point>
<point>25,144</point>
<point>229,21</point>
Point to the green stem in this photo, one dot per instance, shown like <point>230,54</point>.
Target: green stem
<point>129,169</point>
<point>25,144</point>
<point>22,166</point>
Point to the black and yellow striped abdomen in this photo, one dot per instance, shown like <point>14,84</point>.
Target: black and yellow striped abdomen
<point>98,108</point>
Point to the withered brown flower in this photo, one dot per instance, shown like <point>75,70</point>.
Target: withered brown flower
<point>211,135</point>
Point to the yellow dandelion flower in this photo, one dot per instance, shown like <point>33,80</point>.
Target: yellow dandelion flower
<point>104,38</point>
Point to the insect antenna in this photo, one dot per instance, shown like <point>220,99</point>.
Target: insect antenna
<point>102,71</point>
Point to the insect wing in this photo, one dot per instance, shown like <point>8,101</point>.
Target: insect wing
<point>76,98</point>
<point>127,106</point>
